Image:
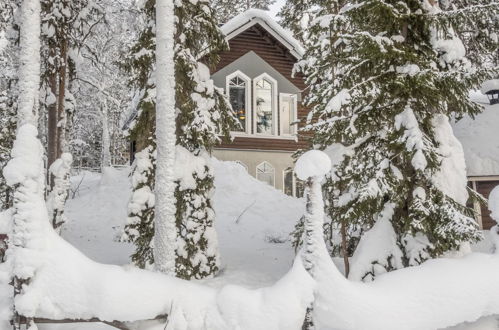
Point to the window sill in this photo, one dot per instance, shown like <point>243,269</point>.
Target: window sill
<point>263,136</point>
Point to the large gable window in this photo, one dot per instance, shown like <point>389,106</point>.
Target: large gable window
<point>265,104</point>
<point>266,173</point>
<point>238,87</point>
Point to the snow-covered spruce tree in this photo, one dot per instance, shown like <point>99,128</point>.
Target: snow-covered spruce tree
<point>384,77</point>
<point>297,15</point>
<point>226,9</point>
<point>480,36</point>
<point>202,114</point>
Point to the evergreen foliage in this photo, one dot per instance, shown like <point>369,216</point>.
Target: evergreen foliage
<point>227,9</point>
<point>8,92</point>
<point>297,15</point>
<point>383,75</point>
<point>203,114</point>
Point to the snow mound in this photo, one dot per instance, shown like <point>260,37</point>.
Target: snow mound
<point>437,294</point>
<point>253,222</point>
<point>313,163</point>
<point>69,285</point>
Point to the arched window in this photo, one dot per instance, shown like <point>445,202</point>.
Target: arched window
<point>238,90</point>
<point>265,104</point>
<point>266,173</point>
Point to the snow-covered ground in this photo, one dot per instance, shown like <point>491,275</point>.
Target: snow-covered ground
<point>253,223</point>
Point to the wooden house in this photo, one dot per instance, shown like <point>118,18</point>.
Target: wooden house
<point>257,75</point>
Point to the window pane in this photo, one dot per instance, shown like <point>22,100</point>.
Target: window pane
<point>288,183</point>
<point>237,97</point>
<point>264,107</point>
<point>287,115</point>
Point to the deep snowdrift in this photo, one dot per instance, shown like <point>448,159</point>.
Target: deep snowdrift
<point>69,285</point>
<point>253,222</point>
<point>437,294</point>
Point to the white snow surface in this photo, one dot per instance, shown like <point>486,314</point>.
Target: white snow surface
<point>313,163</point>
<point>451,179</point>
<point>479,139</point>
<point>252,14</point>
<point>5,221</point>
<point>489,85</point>
<point>437,294</point>
<point>69,285</point>
<point>377,244</point>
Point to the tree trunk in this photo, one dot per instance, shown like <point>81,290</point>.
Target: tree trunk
<point>52,140</point>
<point>61,96</point>
<point>26,184</point>
<point>106,143</point>
<point>165,231</point>
<point>344,248</point>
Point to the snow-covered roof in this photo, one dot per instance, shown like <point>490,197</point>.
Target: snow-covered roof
<point>251,17</point>
<point>490,85</point>
<point>480,139</point>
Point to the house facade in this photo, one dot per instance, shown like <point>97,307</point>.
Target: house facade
<point>257,75</point>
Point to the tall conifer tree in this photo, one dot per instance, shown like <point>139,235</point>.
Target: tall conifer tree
<point>203,114</point>
<point>384,78</point>
<point>227,9</point>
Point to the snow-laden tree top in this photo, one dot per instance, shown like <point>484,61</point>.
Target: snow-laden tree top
<point>313,163</point>
<point>253,16</point>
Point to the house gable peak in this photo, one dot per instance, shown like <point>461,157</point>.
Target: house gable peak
<point>251,17</point>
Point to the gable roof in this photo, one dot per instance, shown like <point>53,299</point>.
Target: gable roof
<point>252,17</point>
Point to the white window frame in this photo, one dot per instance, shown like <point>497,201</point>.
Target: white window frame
<point>295,117</point>
<point>270,165</point>
<point>275,104</point>
<point>247,102</point>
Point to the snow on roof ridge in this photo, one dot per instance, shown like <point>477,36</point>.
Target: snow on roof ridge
<point>251,14</point>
